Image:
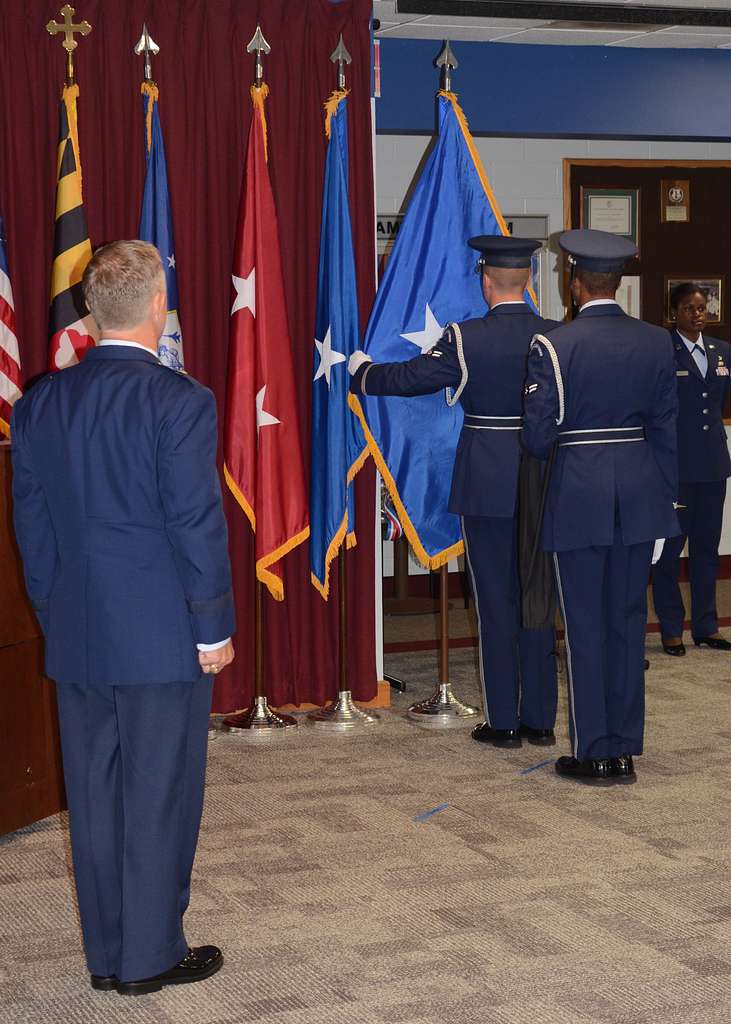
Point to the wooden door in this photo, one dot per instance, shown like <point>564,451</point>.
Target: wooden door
<point>31,781</point>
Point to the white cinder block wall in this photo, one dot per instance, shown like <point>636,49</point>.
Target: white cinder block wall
<point>527,177</point>
<point>526,174</point>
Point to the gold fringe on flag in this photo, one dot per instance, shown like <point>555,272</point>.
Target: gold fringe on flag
<point>331,105</point>
<point>258,94</point>
<point>151,90</point>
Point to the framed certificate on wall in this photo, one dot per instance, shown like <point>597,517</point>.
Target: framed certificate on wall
<point>616,210</point>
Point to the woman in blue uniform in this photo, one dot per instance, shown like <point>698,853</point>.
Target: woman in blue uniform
<point>702,375</point>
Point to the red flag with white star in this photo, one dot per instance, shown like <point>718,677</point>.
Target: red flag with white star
<point>262,446</point>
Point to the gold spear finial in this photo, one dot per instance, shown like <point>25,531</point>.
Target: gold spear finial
<point>68,42</point>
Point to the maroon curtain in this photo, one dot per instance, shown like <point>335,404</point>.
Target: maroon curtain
<point>204,74</point>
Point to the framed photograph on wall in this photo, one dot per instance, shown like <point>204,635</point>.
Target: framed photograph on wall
<point>714,286</point>
<point>616,210</point>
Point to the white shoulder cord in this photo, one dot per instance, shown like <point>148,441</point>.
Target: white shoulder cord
<point>453,397</point>
<point>542,339</point>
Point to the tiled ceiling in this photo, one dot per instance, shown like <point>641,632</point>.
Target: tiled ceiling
<point>557,33</point>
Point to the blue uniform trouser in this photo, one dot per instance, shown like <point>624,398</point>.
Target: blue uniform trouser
<point>517,666</point>
<point>701,522</point>
<point>134,761</point>
<point>603,596</point>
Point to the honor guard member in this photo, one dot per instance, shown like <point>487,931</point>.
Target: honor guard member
<point>702,375</point>
<point>603,388</point>
<point>484,361</point>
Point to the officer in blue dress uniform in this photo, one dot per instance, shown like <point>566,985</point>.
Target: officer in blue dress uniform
<point>603,389</point>
<point>484,361</point>
<point>702,375</point>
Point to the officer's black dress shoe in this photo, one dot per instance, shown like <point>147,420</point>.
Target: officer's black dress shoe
<point>676,650</point>
<point>593,773</point>
<point>623,770</point>
<point>716,642</point>
<point>538,737</point>
<point>103,983</point>
<point>647,664</point>
<point>484,733</point>
<point>199,964</point>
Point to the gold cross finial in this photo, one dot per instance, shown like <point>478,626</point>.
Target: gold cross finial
<point>68,42</point>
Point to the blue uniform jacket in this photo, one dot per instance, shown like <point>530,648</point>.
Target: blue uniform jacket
<point>118,517</point>
<point>488,378</point>
<point>605,370</point>
<point>702,442</point>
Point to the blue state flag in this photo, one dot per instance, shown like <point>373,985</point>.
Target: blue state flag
<point>338,445</point>
<point>156,225</point>
<point>429,281</point>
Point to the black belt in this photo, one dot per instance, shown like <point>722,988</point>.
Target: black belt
<point>492,422</point>
<point>610,435</point>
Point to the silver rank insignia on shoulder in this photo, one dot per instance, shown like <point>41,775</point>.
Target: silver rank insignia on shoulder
<point>434,353</point>
<point>530,388</point>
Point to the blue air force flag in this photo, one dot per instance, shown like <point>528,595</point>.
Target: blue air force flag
<point>156,225</point>
<point>338,446</point>
<point>429,281</point>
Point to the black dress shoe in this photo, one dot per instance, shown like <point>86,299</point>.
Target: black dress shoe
<point>623,769</point>
<point>593,773</point>
<point>647,664</point>
<point>676,650</point>
<point>199,964</point>
<point>484,733</point>
<point>716,642</point>
<point>538,737</point>
<point>103,983</point>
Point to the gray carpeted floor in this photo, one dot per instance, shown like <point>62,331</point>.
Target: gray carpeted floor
<point>525,900</point>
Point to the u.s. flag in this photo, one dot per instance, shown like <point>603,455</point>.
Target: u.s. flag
<point>156,225</point>
<point>429,281</point>
<point>10,389</point>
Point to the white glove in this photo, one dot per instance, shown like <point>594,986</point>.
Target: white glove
<point>657,550</point>
<point>356,361</point>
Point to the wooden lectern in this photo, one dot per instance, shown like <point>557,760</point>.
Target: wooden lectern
<point>31,779</point>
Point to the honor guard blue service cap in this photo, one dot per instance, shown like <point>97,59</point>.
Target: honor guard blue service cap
<point>504,250</point>
<point>597,250</point>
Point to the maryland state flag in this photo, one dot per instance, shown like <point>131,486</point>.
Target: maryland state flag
<point>71,327</point>
<point>430,280</point>
<point>9,354</point>
<point>156,225</point>
<point>262,446</point>
<point>338,445</point>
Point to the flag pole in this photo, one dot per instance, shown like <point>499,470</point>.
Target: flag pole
<point>443,710</point>
<point>258,721</point>
<point>342,715</point>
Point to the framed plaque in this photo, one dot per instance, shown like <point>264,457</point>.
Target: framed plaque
<point>675,200</point>
<point>714,286</point>
<point>616,210</point>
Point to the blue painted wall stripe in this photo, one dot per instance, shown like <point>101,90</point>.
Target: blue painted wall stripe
<point>560,91</point>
